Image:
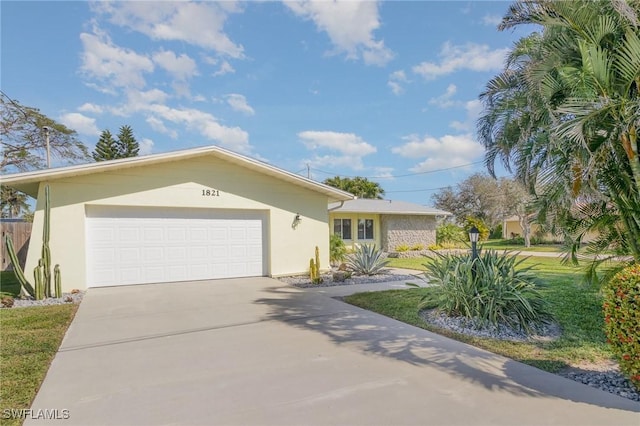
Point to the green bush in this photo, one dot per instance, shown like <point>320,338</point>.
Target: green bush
<point>367,260</point>
<point>449,233</point>
<point>402,248</point>
<point>417,247</point>
<point>337,249</point>
<point>621,308</point>
<point>496,233</point>
<point>501,292</point>
<point>470,222</point>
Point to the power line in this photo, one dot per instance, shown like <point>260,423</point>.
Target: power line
<point>417,190</point>
<point>400,176</point>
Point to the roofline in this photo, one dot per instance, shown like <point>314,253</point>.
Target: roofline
<point>409,212</point>
<point>33,177</point>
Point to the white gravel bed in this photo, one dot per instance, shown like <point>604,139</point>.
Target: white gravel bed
<point>303,281</point>
<point>65,299</point>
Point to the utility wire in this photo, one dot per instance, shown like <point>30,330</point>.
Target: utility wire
<point>417,190</point>
<point>400,176</point>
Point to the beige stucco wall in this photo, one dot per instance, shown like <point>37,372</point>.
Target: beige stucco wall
<point>351,244</point>
<point>180,184</point>
<point>409,230</point>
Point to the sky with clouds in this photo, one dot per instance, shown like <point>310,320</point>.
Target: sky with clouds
<point>385,90</point>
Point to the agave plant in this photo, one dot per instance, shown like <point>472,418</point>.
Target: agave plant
<point>367,260</point>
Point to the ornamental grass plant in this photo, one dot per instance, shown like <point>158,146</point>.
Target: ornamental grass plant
<point>492,289</point>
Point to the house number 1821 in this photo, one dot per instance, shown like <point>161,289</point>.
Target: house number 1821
<point>210,193</point>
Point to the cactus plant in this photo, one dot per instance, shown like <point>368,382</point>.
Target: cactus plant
<point>313,274</point>
<point>317,260</point>
<point>42,272</point>
<point>57,278</point>
<point>39,285</point>
<point>17,270</point>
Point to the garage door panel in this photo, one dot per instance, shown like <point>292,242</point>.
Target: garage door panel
<point>133,249</point>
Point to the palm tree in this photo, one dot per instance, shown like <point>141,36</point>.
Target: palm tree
<point>564,115</point>
<point>12,202</point>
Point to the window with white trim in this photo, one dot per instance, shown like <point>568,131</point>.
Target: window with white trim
<point>365,229</point>
<point>342,228</point>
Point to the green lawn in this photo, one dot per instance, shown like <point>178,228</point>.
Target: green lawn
<point>29,340</point>
<point>503,245</point>
<point>9,283</point>
<point>576,307</point>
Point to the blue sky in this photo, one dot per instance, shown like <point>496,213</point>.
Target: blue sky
<point>375,89</point>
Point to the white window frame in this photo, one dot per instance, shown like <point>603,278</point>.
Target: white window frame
<point>363,222</point>
<point>340,232</point>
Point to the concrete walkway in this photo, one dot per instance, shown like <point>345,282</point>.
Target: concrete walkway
<point>256,351</point>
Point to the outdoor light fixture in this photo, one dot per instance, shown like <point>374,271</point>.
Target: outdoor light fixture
<point>296,221</point>
<point>474,235</point>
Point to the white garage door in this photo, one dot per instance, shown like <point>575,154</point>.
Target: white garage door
<point>136,246</point>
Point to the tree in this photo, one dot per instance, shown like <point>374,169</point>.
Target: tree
<point>518,202</point>
<point>564,116</point>
<point>106,148</point>
<point>23,139</point>
<point>358,186</point>
<point>127,143</point>
<point>13,203</point>
<point>477,196</point>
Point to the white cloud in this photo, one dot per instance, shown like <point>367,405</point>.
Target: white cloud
<point>395,80</point>
<point>180,67</point>
<point>146,146</point>
<point>439,153</point>
<point>350,26</point>
<point>206,124</point>
<point>159,126</point>
<point>444,100</point>
<point>471,56</point>
<point>383,172</point>
<point>80,123</point>
<point>111,64</point>
<point>225,68</point>
<point>200,24</point>
<point>239,103</point>
<point>491,20</point>
<point>93,108</point>
<point>473,109</point>
<point>351,148</point>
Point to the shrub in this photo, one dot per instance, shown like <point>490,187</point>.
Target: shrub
<point>367,260</point>
<point>496,233</point>
<point>621,308</point>
<point>434,247</point>
<point>402,248</point>
<point>417,247</point>
<point>501,292</point>
<point>515,241</point>
<point>470,222</point>
<point>449,234</point>
<point>337,249</point>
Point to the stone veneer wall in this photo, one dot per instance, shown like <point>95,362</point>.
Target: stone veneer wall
<point>410,230</point>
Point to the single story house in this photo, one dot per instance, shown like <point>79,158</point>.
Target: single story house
<point>188,215</point>
<point>511,229</point>
<point>386,223</point>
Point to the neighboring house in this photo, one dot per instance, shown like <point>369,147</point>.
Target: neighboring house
<point>386,223</point>
<point>188,215</point>
<point>511,228</point>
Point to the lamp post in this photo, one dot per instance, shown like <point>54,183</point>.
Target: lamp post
<point>474,234</point>
<point>46,133</point>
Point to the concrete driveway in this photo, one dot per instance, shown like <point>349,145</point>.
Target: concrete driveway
<point>255,351</point>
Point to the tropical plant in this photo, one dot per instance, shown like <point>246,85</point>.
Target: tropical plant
<point>622,320</point>
<point>564,115</point>
<point>417,247</point>
<point>402,248</point>
<point>337,249</point>
<point>448,233</point>
<point>470,222</point>
<point>359,186</point>
<point>492,289</point>
<point>12,202</point>
<point>367,260</point>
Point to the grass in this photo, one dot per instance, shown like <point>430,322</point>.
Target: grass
<point>576,307</point>
<point>29,340</point>
<point>9,283</point>
<point>503,245</point>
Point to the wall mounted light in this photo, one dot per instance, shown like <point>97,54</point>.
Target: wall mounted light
<point>296,221</point>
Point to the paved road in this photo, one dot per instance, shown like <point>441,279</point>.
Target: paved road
<point>255,351</point>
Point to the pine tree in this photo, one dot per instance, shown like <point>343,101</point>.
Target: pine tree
<point>106,148</point>
<point>127,143</point>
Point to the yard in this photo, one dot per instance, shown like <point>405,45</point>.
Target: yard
<point>29,340</point>
<point>576,307</point>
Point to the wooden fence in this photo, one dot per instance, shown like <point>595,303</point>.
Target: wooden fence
<point>20,232</point>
